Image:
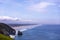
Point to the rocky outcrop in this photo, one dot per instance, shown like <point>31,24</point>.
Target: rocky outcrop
<point>19,33</point>
<point>7,30</point>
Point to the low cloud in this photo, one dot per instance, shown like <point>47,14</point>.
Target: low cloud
<point>8,18</point>
<point>13,19</point>
<point>40,7</point>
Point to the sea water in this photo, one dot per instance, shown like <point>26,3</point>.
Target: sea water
<point>41,32</point>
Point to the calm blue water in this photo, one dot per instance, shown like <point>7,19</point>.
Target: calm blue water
<point>44,32</point>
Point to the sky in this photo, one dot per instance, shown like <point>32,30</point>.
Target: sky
<point>42,11</point>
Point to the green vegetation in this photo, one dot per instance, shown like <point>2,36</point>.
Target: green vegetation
<point>5,31</point>
<point>3,37</point>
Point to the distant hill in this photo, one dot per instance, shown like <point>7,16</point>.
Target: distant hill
<point>18,25</point>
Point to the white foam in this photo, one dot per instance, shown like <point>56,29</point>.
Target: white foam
<point>12,36</point>
<point>23,30</point>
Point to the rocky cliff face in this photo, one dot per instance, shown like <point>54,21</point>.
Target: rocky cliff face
<point>6,30</point>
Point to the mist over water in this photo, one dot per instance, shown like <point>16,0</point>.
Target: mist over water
<point>25,28</point>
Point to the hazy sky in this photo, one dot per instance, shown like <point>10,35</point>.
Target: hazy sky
<point>44,11</point>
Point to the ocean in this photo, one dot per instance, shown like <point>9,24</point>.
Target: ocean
<point>39,32</point>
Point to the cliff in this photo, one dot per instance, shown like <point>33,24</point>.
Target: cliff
<point>7,30</point>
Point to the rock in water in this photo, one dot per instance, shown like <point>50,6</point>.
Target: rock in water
<point>19,33</point>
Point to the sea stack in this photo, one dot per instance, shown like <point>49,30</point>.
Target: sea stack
<point>19,33</point>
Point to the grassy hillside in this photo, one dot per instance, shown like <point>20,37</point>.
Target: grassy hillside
<point>3,37</point>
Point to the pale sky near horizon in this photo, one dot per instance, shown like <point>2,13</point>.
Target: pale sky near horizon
<point>44,11</point>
